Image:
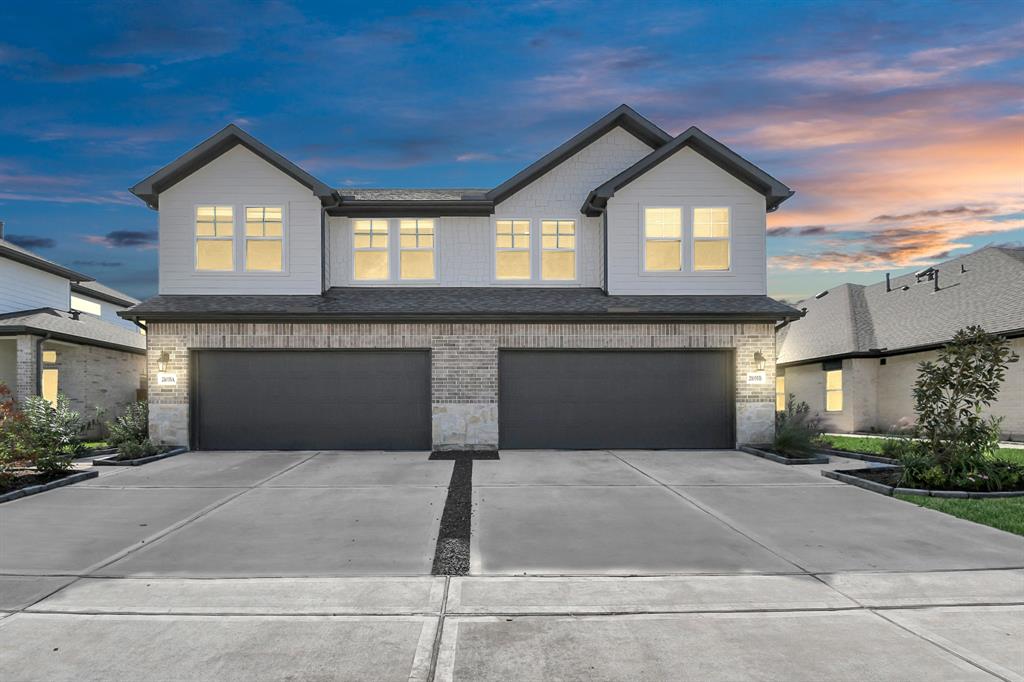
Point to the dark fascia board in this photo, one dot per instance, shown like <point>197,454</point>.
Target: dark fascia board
<point>42,264</point>
<point>774,191</point>
<point>632,122</point>
<point>227,138</point>
<point>102,295</point>
<point>449,317</point>
<point>20,330</point>
<point>424,208</point>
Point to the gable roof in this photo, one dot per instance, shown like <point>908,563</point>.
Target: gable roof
<point>227,138</point>
<point>852,320</point>
<point>14,252</point>
<point>774,191</point>
<point>622,116</point>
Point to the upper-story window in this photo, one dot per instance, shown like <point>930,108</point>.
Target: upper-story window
<point>558,249</point>
<point>663,239</point>
<point>84,305</point>
<point>264,239</point>
<point>370,244</point>
<point>711,236</point>
<point>215,238</point>
<point>416,247</point>
<point>512,249</point>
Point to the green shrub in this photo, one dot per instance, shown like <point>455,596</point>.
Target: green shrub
<point>131,427</point>
<point>899,448</point>
<point>48,432</point>
<point>10,433</point>
<point>795,429</point>
<point>136,449</point>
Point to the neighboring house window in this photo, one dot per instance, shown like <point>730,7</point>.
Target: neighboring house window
<point>51,377</point>
<point>663,239</point>
<point>558,249</point>
<point>780,393</point>
<point>83,305</point>
<point>264,239</point>
<point>215,238</point>
<point>711,238</point>
<point>834,390</point>
<point>416,248</point>
<point>512,245</point>
<point>370,242</point>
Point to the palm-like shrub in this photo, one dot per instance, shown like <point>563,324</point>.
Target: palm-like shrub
<point>796,430</point>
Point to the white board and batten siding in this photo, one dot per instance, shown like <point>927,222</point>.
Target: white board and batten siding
<point>23,287</point>
<point>239,178</point>
<point>687,180</point>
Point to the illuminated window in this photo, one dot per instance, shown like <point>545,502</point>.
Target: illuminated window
<point>558,249</point>
<point>50,380</point>
<point>780,393</point>
<point>215,238</point>
<point>49,357</point>
<point>264,239</point>
<point>834,390</point>
<point>512,245</point>
<point>711,239</point>
<point>85,306</point>
<point>663,239</point>
<point>416,248</point>
<point>370,244</point>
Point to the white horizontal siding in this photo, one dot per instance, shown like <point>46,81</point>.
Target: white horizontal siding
<point>687,180</point>
<point>23,287</point>
<point>239,178</point>
<point>108,312</point>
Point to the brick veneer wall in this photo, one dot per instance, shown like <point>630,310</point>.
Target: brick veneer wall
<point>464,363</point>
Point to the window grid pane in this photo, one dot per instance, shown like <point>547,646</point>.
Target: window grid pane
<point>264,239</point>
<point>512,244</point>
<point>416,244</point>
<point>558,255</point>
<point>215,238</point>
<point>370,243</point>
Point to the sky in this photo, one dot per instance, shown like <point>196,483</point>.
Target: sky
<point>899,124</point>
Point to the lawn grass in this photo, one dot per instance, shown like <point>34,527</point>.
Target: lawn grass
<point>1005,513</point>
<point>873,446</point>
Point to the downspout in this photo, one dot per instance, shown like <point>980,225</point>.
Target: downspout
<point>39,362</point>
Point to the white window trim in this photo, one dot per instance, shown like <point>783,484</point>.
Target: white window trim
<point>540,252</point>
<point>394,251</point>
<point>532,279</point>
<point>196,238</point>
<point>353,250</point>
<point>283,238</point>
<point>84,303</point>
<point>694,239</point>
<point>396,273</point>
<point>644,239</point>
<point>841,390</point>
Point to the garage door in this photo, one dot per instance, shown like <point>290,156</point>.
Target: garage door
<point>616,399</point>
<point>308,400</point>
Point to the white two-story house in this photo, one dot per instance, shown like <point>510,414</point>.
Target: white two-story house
<point>611,294</point>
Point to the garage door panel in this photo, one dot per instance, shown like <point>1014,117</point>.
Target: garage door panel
<point>306,400</point>
<point>616,399</point>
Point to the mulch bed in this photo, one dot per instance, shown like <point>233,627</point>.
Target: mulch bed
<point>451,556</point>
<point>890,476</point>
<point>23,478</point>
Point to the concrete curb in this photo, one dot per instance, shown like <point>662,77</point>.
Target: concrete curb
<point>43,487</point>
<point>859,455</point>
<point>139,461</point>
<point>816,459</point>
<point>892,490</point>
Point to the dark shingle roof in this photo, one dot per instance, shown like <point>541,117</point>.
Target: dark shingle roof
<point>61,325</point>
<point>854,319</point>
<point>105,293</point>
<point>461,302</point>
<point>397,194</point>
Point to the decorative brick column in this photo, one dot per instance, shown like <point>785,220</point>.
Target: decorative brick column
<point>27,371</point>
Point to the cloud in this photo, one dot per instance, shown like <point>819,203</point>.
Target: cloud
<point>475,156</point>
<point>143,239</point>
<point>934,213</point>
<point>33,64</point>
<point>98,263</point>
<point>28,241</point>
<point>809,230</point>
<point>119,198</point>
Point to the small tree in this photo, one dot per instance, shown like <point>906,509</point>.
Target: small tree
<point>950,394</point>
<point>796,429</point>
<point>49,432</point>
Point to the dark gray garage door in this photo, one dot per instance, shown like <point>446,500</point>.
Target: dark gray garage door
<point>616,399</point>
<point>307,400</point>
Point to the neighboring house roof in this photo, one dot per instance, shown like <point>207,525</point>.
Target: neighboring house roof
<point>227,138</point>
<point>980,288</point>
<point>461,302</point>
<point>24,256</point>
<point>774,191</point>
<point>104,293</point>
<point>61,326</point>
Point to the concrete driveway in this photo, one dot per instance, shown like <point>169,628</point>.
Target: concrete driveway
<point>595,565</point>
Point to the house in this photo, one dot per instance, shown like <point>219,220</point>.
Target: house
<point>853,357</point>
<point>610,294</point>
<point>60,332</point>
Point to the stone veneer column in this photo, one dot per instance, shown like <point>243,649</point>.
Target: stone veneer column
<point>27,371</point>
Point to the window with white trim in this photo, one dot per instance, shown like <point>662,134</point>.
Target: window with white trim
<point>663,239</point>
<point>512,249</point>
<point>264,239</point>
<point>711,237</point>
<point>834,390</point>
<point>215,238</point>
<point>84,305</point>
<point>370,249</point>
<point>558,250</point>
<point>416,248</point>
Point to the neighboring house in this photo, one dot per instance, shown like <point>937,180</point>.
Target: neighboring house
<point>854,356</point>
<point>60,332</point>
<point>611,294</point>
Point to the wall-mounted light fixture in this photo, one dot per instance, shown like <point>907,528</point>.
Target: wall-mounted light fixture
<point>161,364</point>
<point>758,361</point>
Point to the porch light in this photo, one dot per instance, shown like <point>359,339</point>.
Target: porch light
<point>758,361</point>
<point>161,364</point>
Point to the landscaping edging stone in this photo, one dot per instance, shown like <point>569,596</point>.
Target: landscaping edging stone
<point>875,487</point>
<point>43,487</point>
<point>764,454</point>
<point>137,461</point>
<point>859,455</point>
